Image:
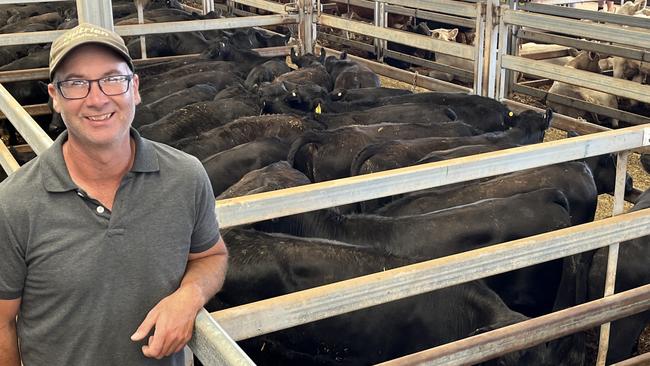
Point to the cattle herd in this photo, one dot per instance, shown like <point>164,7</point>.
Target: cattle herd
<point>260,124</point>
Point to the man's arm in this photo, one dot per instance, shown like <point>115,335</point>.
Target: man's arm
<point>9,355</point>
<point>173,317</point>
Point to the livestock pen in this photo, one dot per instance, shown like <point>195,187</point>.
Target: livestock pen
<point>279,313</point>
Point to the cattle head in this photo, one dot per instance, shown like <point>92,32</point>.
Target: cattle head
<point>645,162</point>
<point>603,168</point>
<point>444,34</point>
<point>307,98</point>
<point>308,59</point>
<point>585,60</point>
<point>218,51</point>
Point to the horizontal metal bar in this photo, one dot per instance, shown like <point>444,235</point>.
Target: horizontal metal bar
<point>602,32</point>
<point>25,75</point>
<point>559,121</point>
<point>262,206</point>
<point>531,332</point>
<point>443,6</point>
<point>301,307</point>
<point>438,17</point>
<point>575,13</point>
<point>33,110</point>
<point>13,39</point>
<point>632,118</point>
<point>11,2</point>
<point>407,76</point>
<point>213,346</point>
<point>262,4</point>
<point>589,80</point>
<point>7,161</point>
<point>602,48</point>
<point>24,124</point>
<point>43,72</point>
<point>207,24</point>
<point>640,360</point>
<point>347,42</point>
<point>398,36</point>
<point>464,75</point>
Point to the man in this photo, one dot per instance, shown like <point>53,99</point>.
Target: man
<point>109,244</point>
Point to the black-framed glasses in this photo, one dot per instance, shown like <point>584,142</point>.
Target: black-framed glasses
<point>80,88</point>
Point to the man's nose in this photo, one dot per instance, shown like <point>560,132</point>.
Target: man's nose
<point>95,94</point>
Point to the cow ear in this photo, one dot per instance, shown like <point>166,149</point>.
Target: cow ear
<point>344,55</point>
<point>594,56</point>
<point>322,55</point>
<point>453,33</point>
<point>435,34</point>
<point>294,58</point>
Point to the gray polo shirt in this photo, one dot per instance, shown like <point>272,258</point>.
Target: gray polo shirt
<point>88,276</point>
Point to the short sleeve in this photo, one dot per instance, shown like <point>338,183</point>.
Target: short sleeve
<point>206,228</point>
<point>12,260</point>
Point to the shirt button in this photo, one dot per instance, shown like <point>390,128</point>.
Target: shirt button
<point>100,209</point>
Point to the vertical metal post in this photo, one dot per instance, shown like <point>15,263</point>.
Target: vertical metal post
<point>208,6</point>
<point>230,7</point>
<point>306,25</point>
<point>612,255</point>
<point>479,47</point>
<point>143,43</point>
<point>500,71</point>
<point>8,162</point>
<point>96,12</point>
<point>492,11</point>
<point>380,20</point>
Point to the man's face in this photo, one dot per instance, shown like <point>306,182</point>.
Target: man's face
<point>97,120</point>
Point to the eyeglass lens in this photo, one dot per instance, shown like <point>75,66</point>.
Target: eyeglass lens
<point>80,88</point>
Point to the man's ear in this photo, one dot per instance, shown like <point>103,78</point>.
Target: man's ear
<point>136,89</point>
<point>51,90</point>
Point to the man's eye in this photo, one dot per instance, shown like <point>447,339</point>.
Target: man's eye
<point>114,79</point>
<point>74,83</point>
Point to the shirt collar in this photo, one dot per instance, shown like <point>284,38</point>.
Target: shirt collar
<point>56,177</point>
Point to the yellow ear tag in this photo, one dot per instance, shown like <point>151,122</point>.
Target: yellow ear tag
<point>510,114</point>
<point>318,109</point>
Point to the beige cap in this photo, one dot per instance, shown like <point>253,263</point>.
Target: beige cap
<point>82,34</point>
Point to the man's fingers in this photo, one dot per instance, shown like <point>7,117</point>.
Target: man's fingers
<point>144,328</point>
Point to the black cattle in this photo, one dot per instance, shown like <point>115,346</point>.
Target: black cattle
<point>396,113</point>
<point>305,98</point>
<point>37,57</point>
<point>243,59</point>
<point>420,28</point>
<point>441,233</point>
<point>217,79</point>
<point>264,265</point>
<point>484,113</point>
<point>196,118</point>
<point>266,72</point>
<point>51,19</point>
<point>632,271</point>
<point>574,179</point>
<point>348,74</point>
<point>327,155</point>
<point>365,95</point>
<point>274,176</point>
<point>310,71</point>
<point>458,152</point>
<point>152,112</point>
<point>169,44</point>
<point>645,162</point>
<point>228,167</point>
<point>243,130</point>
<point>249,38</point>
<point>529,127</point>
<point>198,66</point>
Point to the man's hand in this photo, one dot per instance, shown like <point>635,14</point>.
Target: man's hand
<point>173,321</point>
<point>173,317</point>
<point>9,355</point>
